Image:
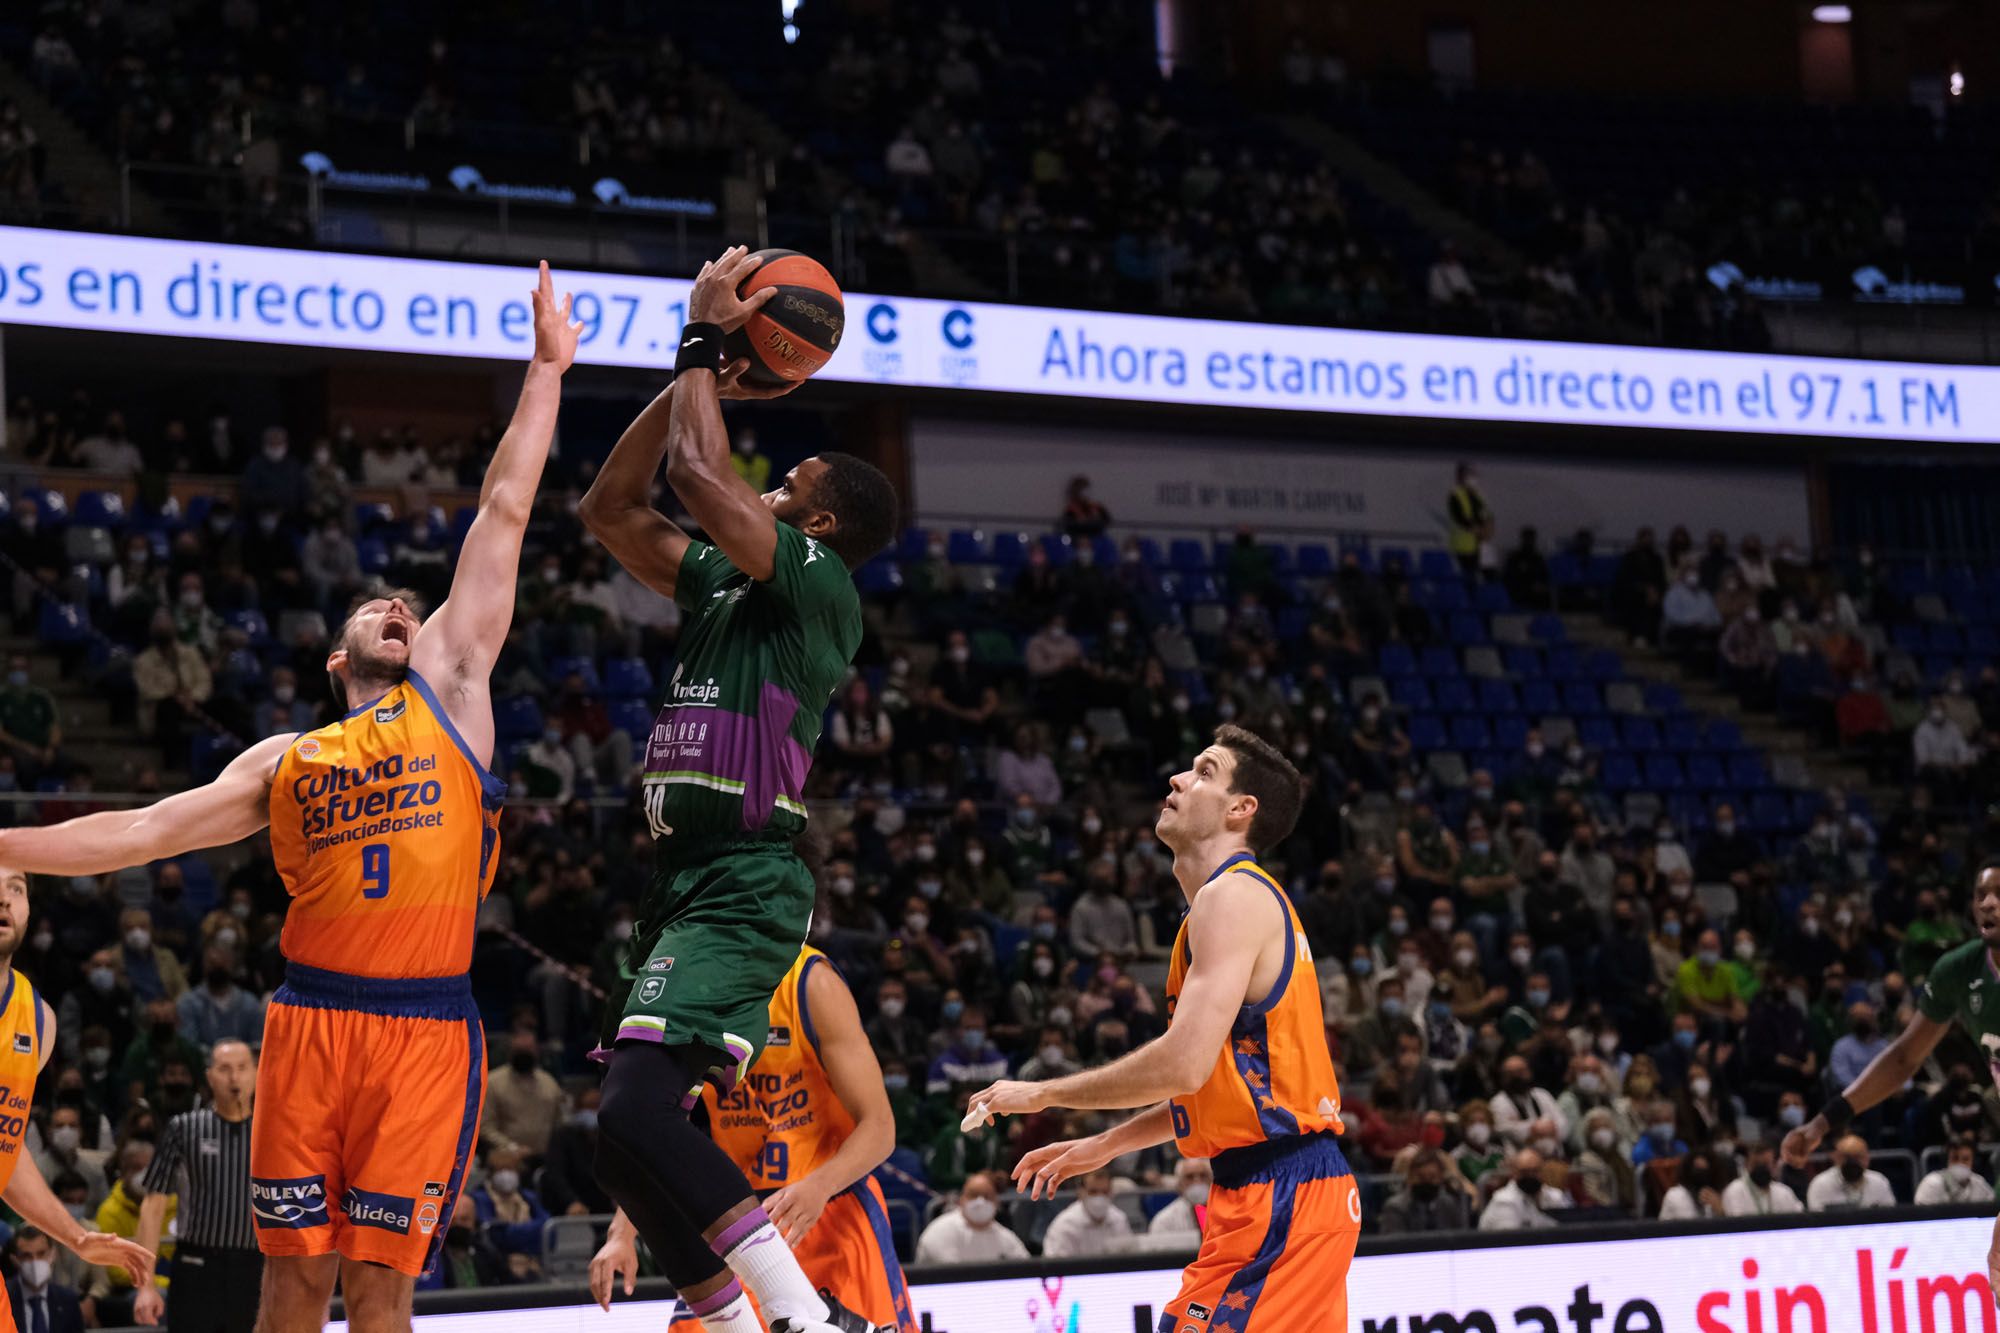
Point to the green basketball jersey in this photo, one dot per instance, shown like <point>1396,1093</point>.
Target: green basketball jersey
<point>759,661</point>
<point>1965,986</point>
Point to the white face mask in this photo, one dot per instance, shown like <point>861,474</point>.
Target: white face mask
<point>1197,1193</point>
<point>1478,1133</point>
<point>1465,958</point>
<point>1602,1139</point>
<point>65,1139</point>
<point>892,1008</point>
<point>1699,1087</point>
<point>1097,1206</point>
<point>1960,1172</point>
<point>35,1273</point>
<point>1546,1145</point>
<point>505,1182</point>
<point>978,1211</point>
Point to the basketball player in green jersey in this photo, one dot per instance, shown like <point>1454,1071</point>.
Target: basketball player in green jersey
<point>770,624</point>
<point>1963,985</point>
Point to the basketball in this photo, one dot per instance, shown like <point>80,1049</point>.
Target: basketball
<point>798,329</point>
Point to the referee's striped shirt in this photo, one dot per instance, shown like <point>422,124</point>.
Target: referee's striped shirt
<point>206,1161</point>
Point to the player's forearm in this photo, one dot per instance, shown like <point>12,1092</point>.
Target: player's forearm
<point>1153,1125</point>
<point>866,1148</point>
<point>30,1196</point>
<point>152,1218</point>
<point>621,1228</point>
<point>625,481</point>
<point>1885,1074</point>
<point>1155,1072</point>
<point>515,472</point>
<point>697,441</point>
<point>90,844</point>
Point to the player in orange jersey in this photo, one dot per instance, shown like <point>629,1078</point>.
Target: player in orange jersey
<point>384,828</point>
<point>27,1035</point>
<point>1242,1076</point>
<point>807,1124</point>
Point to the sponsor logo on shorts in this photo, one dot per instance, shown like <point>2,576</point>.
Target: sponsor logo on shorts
<point>427,1218</point>
<point>296,1202</point>
<point>779,1036</point>
<point>433,1189</point>
<point>392,712</point>
<point>23,1044</point>
<point>1199,1312</point>
<point>650,991</point>
<point>389,1212</point>
<point>660,965</point>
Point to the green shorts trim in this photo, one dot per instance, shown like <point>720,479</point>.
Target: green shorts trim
<point>701,972</point>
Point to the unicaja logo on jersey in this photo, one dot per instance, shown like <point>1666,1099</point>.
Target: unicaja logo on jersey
<point>703,695</point>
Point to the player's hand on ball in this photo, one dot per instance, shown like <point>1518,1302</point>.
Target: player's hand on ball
<point>1004,1098</point>
<point>555,335</point>
<point>714,299</point>
<point>729,384</point>
<point>109,1251</point>
<point>618,1256</point>
<point>1042,1172</point>
<point>794,1209</point>
<point>148,1306</point>
<point>1799,1144</point>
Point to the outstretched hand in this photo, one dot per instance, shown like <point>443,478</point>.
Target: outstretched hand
<point>714,299</point>
<point>555,334</point>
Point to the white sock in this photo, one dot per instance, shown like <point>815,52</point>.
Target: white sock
<point>765,1265</point>
<point>736,1317</point>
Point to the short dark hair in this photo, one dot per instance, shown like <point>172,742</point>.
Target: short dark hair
<point>1262,772</point>
<point>863,504</point>
<point>1425,1156</point>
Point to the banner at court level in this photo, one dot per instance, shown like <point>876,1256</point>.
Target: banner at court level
<point>423,307</point>
<point>1884,1277</point>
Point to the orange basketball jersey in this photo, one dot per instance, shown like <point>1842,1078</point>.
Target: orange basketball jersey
<point>1275,1077</point>
<point>783,1120</point>
<point>385,829</point>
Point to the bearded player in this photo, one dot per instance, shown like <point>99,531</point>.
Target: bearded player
<point>807,1125</point>
<point>1964,985</point>
<point>770,624</point>
<point>27,1035</point>
<point>1242,1076</point>
<point>384,828</point>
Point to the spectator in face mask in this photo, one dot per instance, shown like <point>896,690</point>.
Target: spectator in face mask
<point>1192,1182</point>
<point>1478,1151</point>
<point>63,1151</point>
<point>894,1030</point>
<point>1757,1192</point>
<point>969,1057</point>
<point>468,1259</point>
<point>1424,1202</point>
<point>1660,1141</point>
<point>1052,1058</point>
<point>159,1045</point>
<point>1091,1226</point>
<point>152,971</point>
<point>1694,1194</point>
<point>1523,1203</point>
<point>43,1304</point>
<point>524,1103</point>
<point>1602,1165</point>
<point>1855,1051</point>
<point>970,1232</point>
<point>1520,1104</point>
<point>219,1009</point>
<point>511,1215</point>
<point>1958,1181</point>
<point>1705,986</point>
<point>1849,1183</point>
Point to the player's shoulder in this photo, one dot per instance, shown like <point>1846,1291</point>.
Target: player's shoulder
<point>1957,967</point>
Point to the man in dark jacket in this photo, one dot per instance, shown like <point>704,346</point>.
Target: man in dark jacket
<point>1423,1203</point>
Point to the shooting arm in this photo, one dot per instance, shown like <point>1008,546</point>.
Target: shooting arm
<point>699,470</point>
<point>233,806</point>
<point>618,508</point>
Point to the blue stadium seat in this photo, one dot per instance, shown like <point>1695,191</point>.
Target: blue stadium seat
<point>1597,733</point>
<point>561,667</point>
<point>100,509</point>
<point>633,718</point>
<point>879,577</point>
<point>1010,549</point>
<point>1394,555</point>
<point>628,678</point>
<point>1426,732</point>
<point>1105,550</point>
<point>1908,636</point>
<point>1510,733</point>
<point>1438,662</point>
<point>1291,623</point>
<point>373,553</point>
<point>1497,697</point>
<point>1747,771</point>
<point>251,621</point>
<point>62,622</point>
<point>1453,696</point>
<point>1442,598</point>
<point>1705,773</point>
<point>1681,734</point>
<point>370,518</point>
<point>1057,548</point>
<point>1640,736</point>
<point>1945,639</point>
<point>1770,812</point>
<point>1409,692</point>
<point>1618,773</point>
<point>209,752</point>
<point>965,547</point>
<point>1663,773</point>
<point>1603,666</point>
<point>1581,697</point>
<point>1438,565</point>
<point>1186,554</point>
<point>1492,598</point>
<point>1566,570</point>
<point>1547,628</point>
<point>1523,663</point>
<point>518,718</point>
<point>1397,660</point>
<point>1539,698</point>
<point>1563,663</point>
<point>1315,560</point>
<point>1722,734</point>
<point>1470,733</point>
<point>1663,698</point>
<point>913,545</point>
<point>1467,627</point>
<point>1151,555</point>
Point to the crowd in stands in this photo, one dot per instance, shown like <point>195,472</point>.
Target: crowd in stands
<point>1553,989</point>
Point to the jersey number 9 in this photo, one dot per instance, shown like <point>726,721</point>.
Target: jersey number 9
<point>776,1162</point>
<point>375,870</point>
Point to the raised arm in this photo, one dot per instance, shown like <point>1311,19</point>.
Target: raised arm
<point>618,507</point>
<point>1885,1074</point>
<point>232,807</point>
<point>857,1081</point>
<point>698,466</point>
<point>1228,928</point>
<point>457,646</point>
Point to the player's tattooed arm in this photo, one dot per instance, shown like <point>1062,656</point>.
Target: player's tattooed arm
<point>232,807</point>
<point>462,639</point>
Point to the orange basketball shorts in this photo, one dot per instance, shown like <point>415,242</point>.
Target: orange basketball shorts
<point>851,1253</point>
<point>368,1097</point>
<point>1282,1221</point>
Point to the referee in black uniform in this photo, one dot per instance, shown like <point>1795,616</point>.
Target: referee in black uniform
<point>204,1157</point>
